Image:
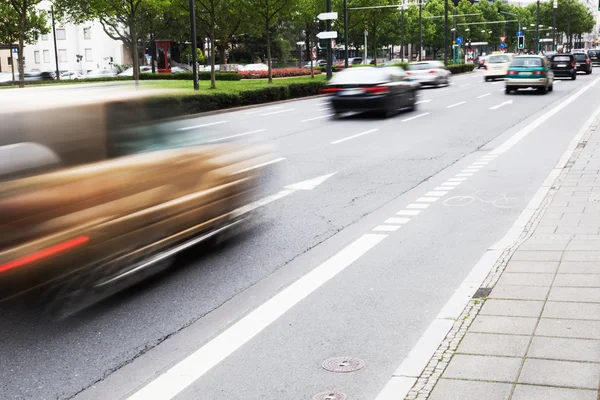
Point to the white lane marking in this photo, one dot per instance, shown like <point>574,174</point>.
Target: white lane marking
<point>354,136</point>
<point>504,103</point>
<point>324,109</point>
<point>423,101</point>
<point>497,82</point>
<point>386,228</point>
<point>443,188</point>
<point>278,112</point>
<point>442,90</point>
<point>322,104</point>
<point>466,84</point>
<point>183,374</point>
<point>411,213</point>
<point>397,220</point>
<point>436,193</point>
<point>482,163</point>
<point>309,184</point>
<point>516,138</point>
<point>456,104</point>
<point>273,108</point>
<point>259,165</point>
<point>187,128</point>
<point>415,117</point>
<point>238,135</point>
<point>457,179</point>
<point>451,183</point>
<point>469,174</point>
<point>475,166</point>
<point>418,206</point>
<point>470,170</point>
<point>428,199</point>
<point>412,366</point>
<point>483,95</point>
<point>490,157</point>
<point>322,116</point>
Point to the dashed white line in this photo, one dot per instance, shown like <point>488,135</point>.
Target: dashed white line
<point>187,128</point>
<point>482,163</point>
<point>436,193</point>
<point>464,174</point>
<point>470,170</point>
<point>278,112</point>
<point>238,135</point>
<point>466,84</point>
<point>260,165</point>
<point>483,95</point>
<point>411,213</point>
<point>397,220</point>
<point>443,188</point>
<point>418,206</point>
<point>451,183</point>
<point>322,104</point>
<point>428,199</point>
<point>386,228</point>
<point>354,136</point>
<point>456,104</point>
<point>423,101</point>
<point>415,117</point>
<point>457,179</point>
<point>322,116</point>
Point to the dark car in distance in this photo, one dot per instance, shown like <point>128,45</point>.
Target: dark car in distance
<point>594,55</point>
<point>382,89</point>
<point>563,65</point>
<point>583,63</point>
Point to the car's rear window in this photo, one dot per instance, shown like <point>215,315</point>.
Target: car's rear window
<point>561,58</point>
<point>498,59</point>
<point>365,75</point>
<point>527,62</point>
<point>594,53</point>
<point>580,57</point>
<point>422,66</point>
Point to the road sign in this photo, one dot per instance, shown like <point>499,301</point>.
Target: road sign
<point>502,45</point>
<point>519,33</point>
<point>15,50</point>
<point>327,35</point>
<point>502,38</point>
<point>459,40</point>
<point>555,5</point>
<point>327,16</point>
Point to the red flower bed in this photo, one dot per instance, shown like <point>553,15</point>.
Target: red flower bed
<point>277,73</point>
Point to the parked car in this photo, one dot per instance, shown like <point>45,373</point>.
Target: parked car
<point>583,62</point>
<point>144,69</point>
<point>70,75</point>
<point>529,72</point>
<point>384,90</point>
<point>101,73</point>
<point>355,60</point>
<point>594,55</point>
<point>496,66</point>
<point>429,73</point>
<point>252,67</point>
<point>563,65</point>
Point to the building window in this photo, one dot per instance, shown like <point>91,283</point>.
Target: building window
<point>62,55</point>
<point>46,56</point>
<point>10,61</point>
<point>36,56</point>
<point>89,56</point>
<point>44,37</point>
<point>87,33</point>
<point>61,34</point>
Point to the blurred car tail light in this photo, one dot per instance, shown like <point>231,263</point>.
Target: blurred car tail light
<point>485,66</point>
<point>48,252</point>
<point>329,90</point>
<point>408,73</point>
<point>377,89</point>
<point>587,61</point>
<point>538,73</point>
<point>512,72</point>
<point>572,63</point>
<point>432,71</point>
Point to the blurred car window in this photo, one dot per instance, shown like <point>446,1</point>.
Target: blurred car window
<point>498,59</point>
<point>25,159</point>
<point>366,75</point>
<point>527,62</point>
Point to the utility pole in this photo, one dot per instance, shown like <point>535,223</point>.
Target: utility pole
<point>402,34</point>
<point>328,29</point>
<point>346,33</point>
<point>194,43</point>
<point>55,47</point>
<point>366,34</point>
<point>420,29</point>
<point>537,28</point>
<point>554,41</point>
<point>446,32</point>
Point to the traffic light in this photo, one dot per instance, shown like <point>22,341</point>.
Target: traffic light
<point>521,42</point>
<point>499,12</point>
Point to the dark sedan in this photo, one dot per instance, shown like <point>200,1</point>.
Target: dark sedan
<point>382,89</point>
<point>563,65</point>
<point>583,63</point>
<point>594,55</point>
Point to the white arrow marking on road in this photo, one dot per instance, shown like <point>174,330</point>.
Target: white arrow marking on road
<point>309,184</point>
<point>504,103</point>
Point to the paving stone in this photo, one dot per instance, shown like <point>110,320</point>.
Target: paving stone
<point>572,230</point>
<point>588,311</point>
<point>537,256</point>
<point>494,345</point>
<point>590,222</point>
<point>589,256</point>
<point>450,389</point>
<point>545,230</point>
<point>512,308</point>
<point>586,295</point>
<point>483,368</point>
<point>519,292</point>
<point>548,245</point>
<point>577,280</point>
<point>505,325</point>
<point>548,267</point>
<point>531,392</point>
<point>568,328</point>
<point>566,210</point>
<point>579,267</point>
<point>526,279</point>
<point>565,349</point>
<point>560,373</point>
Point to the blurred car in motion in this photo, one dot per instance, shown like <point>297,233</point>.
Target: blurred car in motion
<point>583,62</point>
<point>496,66</point>
<point>481,61</point>
<point>385,90</point>
<point>40,76</point>
<point>594,55</point>
<point>101,73</point>
<point>144,69</point>
<point>252,67</point>
<point>96,197</point>
<point>563,65</point>
<point>393,62</point>
<point>529,72</point>
<point>429,73</point>
<point>69,75</point>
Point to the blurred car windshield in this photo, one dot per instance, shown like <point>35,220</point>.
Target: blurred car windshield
<point>527,62</point>
<point>562,58</point>
<point>424,65</point>
<point>366,75</point>
<point>498,59</point>
<point>580,57</point>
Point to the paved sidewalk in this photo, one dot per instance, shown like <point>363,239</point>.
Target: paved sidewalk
<point>536,335</point>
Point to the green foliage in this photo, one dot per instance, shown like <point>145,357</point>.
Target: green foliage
<point>460,68</point>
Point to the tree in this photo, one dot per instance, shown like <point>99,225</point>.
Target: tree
<point>22,22</point>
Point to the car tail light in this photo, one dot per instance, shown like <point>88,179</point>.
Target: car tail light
<point>485,66</point>
<point>432,71</point>
<point>328,90</point>
<point>377,89</point>
<point>587,61</point>
<point>45,253</point>
<point>539,73</point>
<point>512,72</point>
<point>408,73</point>
<point>572,63</point>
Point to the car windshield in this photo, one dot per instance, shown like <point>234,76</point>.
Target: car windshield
<point>527,62</point>
<point>366,75</point>
<point>561,58</point>
<point>421,66</point>
<point>580,57</point>
<point>498,59</point>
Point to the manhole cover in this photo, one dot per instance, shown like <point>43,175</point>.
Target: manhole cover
<point>482,292</point>
<point>343,364</point>
<point>329,396</point>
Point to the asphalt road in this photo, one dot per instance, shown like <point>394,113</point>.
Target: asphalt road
<point>384,292</point>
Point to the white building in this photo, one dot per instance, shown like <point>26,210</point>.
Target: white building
<point>81,48</point>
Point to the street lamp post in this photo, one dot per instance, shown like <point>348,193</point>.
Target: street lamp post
<point>554,41</point>
<point>402,34</point>
<point>420,29</point>
<point>346,33</point>
<point>194,44</point>
<point>537,24</point>
<point>55,46</point>
<point>446,32</point>
<point>328,25</point>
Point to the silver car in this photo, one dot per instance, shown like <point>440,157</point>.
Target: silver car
<point>429,73</point>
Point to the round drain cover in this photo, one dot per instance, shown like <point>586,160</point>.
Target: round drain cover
<point>343,364</point>
<point>329,396</point>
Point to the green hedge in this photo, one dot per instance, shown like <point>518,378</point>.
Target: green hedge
<point>188,76</point>
<point>460,68</point>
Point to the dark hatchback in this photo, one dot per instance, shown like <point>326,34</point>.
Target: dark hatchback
<point>594,56</point>
<point>563,65</point>
<point>583,63</point>
<point>382,89</point>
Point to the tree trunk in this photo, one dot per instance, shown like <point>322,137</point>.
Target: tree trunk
<point>153,50</point>
<point>212,59</point>
<point>269,54</point>
<point>222,51</point>
<point>374,47</point>
<point>134,51</point>
<point>22,24</point>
